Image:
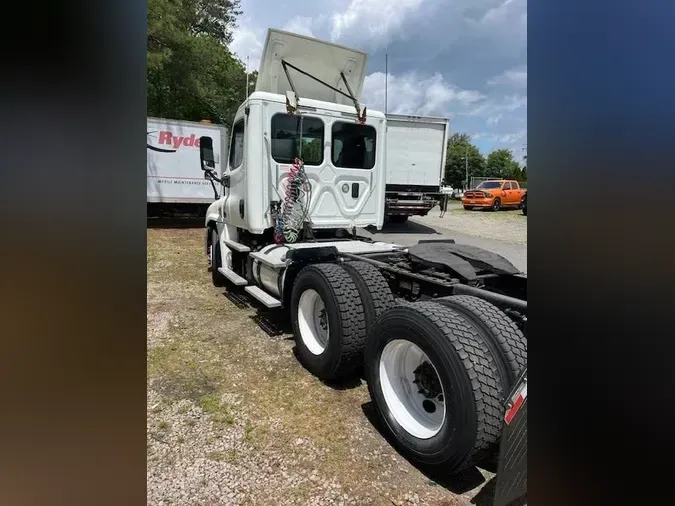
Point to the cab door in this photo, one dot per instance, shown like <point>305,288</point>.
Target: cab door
<point>234,206</point>
<point>508,194</point>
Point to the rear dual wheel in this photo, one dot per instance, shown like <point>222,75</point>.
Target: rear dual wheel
<point>332,306</point>
<point>438,373</point>
<point>435,385</point>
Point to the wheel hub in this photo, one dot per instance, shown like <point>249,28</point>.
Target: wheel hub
<point>412,388</point>
<point>426,380</point>
<point>323,320</point>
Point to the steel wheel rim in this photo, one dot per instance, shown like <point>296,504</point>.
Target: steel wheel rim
<point>399,361</point>
<point>313,322</point>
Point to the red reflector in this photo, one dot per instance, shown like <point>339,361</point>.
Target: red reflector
<point>517,403</point>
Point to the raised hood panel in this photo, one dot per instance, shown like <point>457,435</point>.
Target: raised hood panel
<point>319,58</point>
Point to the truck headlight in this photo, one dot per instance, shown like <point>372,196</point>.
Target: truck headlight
<point>488,195</point>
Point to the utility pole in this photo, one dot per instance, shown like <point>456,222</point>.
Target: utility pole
<point>246,78</point>
<point>466,167</point>
<point>386,77</point>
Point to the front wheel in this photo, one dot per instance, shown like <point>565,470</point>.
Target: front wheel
<point>214,259</point>
<point>496,205</point>
<point>468,208</point>
<point>434,384</point>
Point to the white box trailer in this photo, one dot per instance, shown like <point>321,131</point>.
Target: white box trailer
<point>173,154</point>
<point>416,153</point>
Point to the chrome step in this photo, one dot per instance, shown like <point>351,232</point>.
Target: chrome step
<point>237,246</point>
<point>267,260</point>
<point>263,296</point>
<point>233,276</point>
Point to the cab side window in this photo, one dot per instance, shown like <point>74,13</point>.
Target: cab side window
<point>507,186</point>
<point>353,145</point>
<point>237,145</point>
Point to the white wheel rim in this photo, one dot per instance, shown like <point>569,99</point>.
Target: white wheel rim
<point>313,321</point>
<point>417,413</point>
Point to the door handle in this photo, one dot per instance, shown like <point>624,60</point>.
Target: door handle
<point>355,190</point>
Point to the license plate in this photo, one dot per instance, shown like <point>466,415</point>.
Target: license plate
<point>472,201</point>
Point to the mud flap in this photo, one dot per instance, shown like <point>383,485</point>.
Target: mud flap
<point>511,487</point>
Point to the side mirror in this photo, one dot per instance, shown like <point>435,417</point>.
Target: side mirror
<point>206,154</point>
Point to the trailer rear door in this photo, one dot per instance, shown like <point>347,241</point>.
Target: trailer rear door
<point>416,150</point>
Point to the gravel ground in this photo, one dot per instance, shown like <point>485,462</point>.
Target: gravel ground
<point>506,225</point>
<point>234,419</point>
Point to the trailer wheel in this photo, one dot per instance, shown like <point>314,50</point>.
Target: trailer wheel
<point>213,257</point>
<point>435,385</point>
<point>373,288</point>
<point>328,321</point>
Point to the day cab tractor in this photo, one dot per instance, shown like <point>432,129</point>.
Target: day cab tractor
<point>438,329</point>
<point>493,195</point>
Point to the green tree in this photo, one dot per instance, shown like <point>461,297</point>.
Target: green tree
<point>459,146</point>
<point>500,163</point>
<point>191,74</point>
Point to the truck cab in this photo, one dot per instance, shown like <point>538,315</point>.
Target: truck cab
<point>305,106</point>
<point>343,162</point>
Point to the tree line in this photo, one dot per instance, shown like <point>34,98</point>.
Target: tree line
<point>191,73</point>
<point>462,154</point>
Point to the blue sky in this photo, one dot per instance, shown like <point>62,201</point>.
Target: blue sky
<point>461,59</point>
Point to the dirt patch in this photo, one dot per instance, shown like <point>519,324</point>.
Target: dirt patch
<point>234,419</point>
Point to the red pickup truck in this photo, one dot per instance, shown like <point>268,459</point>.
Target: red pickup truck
<point>493,195</point>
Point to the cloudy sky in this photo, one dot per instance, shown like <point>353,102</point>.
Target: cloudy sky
<point>461,59</point>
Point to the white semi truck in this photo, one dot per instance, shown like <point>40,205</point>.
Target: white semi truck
<point>173,152</point>
<point>415,162</point>
<point>438,329</point>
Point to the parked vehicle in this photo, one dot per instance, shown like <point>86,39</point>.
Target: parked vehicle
<point>494,194</point>
<point>438,328</point>
<point>523,203</point>
<point>173,152</point>
<point>415,160</point>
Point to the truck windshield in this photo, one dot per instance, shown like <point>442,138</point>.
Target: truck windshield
<point>489,185</point>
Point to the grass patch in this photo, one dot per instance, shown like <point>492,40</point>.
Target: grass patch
<point>226,456</point>
<point>219,412</point>
<point>163,425</point>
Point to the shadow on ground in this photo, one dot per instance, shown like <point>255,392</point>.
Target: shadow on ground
<point>409,227</point>
<point>459,483</point>
<point>276,323</point>
<point>173,223</point>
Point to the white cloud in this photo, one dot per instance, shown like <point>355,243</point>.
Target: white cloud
<point>515,77</point>
<point>494,120</point>
<point>247,40</point>
<point>413,94</point>
<point>372,22</point>
<point>302,25</point>
<point>497,105</point>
